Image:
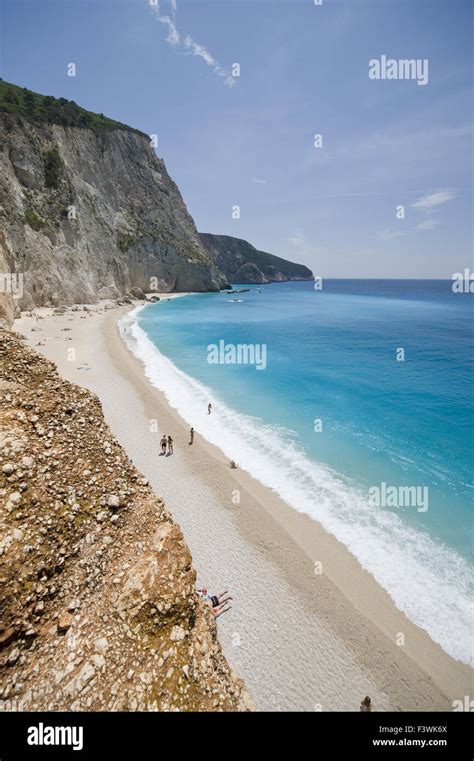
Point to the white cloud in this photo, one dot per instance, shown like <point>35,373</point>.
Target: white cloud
<point>173,35</point>
<point>195,49</point>
<point>199,50</point>
<point>428,224</point>
<point>429,206</point>
<point>426,203</point>
<point>191,47</point>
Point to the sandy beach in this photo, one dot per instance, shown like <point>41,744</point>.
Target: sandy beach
<point>301,640</point>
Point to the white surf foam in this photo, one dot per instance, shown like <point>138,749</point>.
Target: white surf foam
<point>429,582</point>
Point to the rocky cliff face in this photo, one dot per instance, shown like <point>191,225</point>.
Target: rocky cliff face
<point>7,268</point>
<point>100,610</point>
<point>91,214</point>
<point>242,263</point>
<point>88,211</point>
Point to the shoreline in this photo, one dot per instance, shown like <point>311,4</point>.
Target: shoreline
<point>338,639</point>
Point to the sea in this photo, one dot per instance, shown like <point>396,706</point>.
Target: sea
<point>354,402</point>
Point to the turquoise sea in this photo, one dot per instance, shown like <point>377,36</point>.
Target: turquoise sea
<point>334,414</point>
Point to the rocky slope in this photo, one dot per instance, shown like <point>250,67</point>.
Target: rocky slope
<point>89,212</point>
<point>242,263</point>
<point>100,610</point>
<point>7,267</point>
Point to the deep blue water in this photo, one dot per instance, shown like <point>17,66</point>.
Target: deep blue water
<point>332,356</point>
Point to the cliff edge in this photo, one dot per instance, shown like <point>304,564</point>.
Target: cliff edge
<point>100,610</point>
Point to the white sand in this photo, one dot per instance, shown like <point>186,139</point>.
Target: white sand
<point>300,641</point>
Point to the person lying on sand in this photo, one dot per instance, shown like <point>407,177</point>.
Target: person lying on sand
<point>220,609</point>
<point>163,444</point>
<point>219,603</point>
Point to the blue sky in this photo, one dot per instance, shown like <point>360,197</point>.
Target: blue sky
<point>248,140</point>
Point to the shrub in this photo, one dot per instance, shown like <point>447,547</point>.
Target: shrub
<point>33,220</point>
<point>53,166</point>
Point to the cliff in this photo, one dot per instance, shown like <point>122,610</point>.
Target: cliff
<point>87,209</point>
<point>242,263</point>
<point>7,268</point>
<point>100,610</point>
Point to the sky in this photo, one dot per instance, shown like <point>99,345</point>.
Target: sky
<point>248,141</point>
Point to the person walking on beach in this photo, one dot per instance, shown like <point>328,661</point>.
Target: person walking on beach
<point>163,443</point>
<point>170,445</point>
<point>191,433</point>
<point>209,408</point>
<point>366,705</point>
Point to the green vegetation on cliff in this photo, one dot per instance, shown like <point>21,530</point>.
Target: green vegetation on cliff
<point>33,220</point>
<point>243,263</point>
<point>53,168</point>
<point>40,109</point>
